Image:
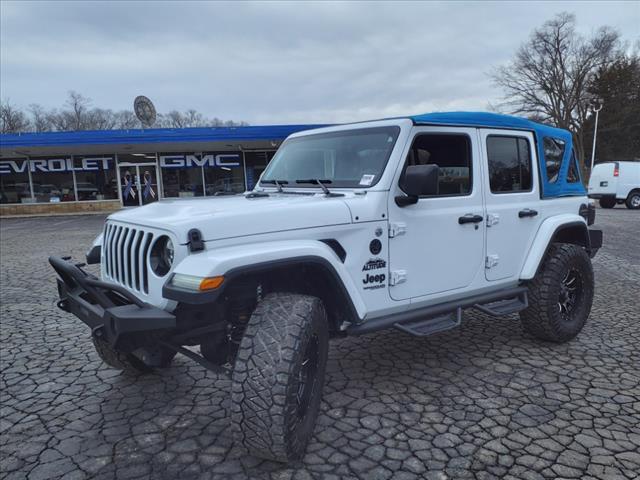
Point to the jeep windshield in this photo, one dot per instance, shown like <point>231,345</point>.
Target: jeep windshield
<point>346,159</point>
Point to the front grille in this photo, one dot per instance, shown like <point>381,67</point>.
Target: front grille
<point>126,250</point>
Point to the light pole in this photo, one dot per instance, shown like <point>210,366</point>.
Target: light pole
<point>595,133</point>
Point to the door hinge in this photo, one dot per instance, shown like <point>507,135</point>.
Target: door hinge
<point>492,261</point>
<point>493,219</point>
<point>396,229</point>
<point>397,277</point>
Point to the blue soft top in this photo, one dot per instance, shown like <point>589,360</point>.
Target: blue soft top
<point>494,120</point>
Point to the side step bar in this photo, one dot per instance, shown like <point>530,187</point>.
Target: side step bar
<point>504,307</point>
<point>427,314</point>
<point>429,326</point>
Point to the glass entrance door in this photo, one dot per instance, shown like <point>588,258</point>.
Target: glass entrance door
<point>139,183</point>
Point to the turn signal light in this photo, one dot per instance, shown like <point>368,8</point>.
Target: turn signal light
<point>210,283</point>
<point>616,170</point>
<point>196,284</point>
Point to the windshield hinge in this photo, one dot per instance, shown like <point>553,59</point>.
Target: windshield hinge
<point>397,229</point>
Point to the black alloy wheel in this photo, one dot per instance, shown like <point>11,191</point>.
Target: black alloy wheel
<point>570,294</point>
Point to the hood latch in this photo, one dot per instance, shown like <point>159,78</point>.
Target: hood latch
<point>196,243</point>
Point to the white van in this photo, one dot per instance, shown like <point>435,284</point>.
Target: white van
<point>616,182</point>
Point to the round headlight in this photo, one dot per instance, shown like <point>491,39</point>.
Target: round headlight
<point>161,256</point>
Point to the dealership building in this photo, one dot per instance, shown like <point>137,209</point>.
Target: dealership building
<point>65,172</point>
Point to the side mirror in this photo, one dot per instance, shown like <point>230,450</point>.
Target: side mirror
<point>418,180</point>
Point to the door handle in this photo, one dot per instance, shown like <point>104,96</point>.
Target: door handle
<point>470,218</point>
<point>527,212</point>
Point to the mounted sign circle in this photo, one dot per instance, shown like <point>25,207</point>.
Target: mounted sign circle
<point>145,111</point>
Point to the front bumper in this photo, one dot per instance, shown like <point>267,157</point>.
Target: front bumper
<point>111,312</point>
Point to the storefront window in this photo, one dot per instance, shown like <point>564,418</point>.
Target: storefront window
<point>52,179</point>
<point>181,176</point>
<point>14,181</point>
<point>225,174</point>
<point>255,163</point>
<point>96,178</point>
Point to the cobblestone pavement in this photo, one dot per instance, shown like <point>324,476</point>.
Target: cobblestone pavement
<point>484,401</point>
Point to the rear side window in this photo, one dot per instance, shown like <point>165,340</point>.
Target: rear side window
<point>553,154</point>
<point>573,175</point>
<point>452,154</point>
<point>509,161</point>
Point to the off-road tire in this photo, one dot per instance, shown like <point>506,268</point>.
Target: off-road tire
<point>608,202</point>
<point>163,356</point>
<point>633,200</point>
<point>545,318</point>
<point>265,391</point>
<point>127,362</point>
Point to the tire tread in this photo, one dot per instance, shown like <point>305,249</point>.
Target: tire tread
<point>538,318</point>
<point>264,364</point>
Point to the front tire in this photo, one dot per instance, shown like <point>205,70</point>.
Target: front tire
<point>608,202</point>
<point>278,376</point>
<point>127,362</point>
<point>560,295</point>
<point>156,357</point>
<point>633,200</point>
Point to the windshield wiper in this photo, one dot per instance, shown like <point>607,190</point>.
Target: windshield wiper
<point>277,183</point>
<point>321,184</point>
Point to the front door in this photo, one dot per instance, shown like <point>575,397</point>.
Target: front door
<point>138,183</point>
<point>437,244</point>
<point>512,200</point>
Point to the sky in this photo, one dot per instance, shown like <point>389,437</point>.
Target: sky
<point>279,62</point>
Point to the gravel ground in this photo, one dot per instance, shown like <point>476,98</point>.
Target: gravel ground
<point>484,401</point>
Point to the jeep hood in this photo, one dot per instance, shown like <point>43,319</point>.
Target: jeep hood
<point>237,216</point>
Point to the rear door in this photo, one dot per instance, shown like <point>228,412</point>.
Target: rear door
<point>431,249</point>
<point>512,200</point>
<point>602,180</point>
<point>628,178</point>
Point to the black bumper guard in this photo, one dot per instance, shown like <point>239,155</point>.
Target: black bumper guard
<point>112,312</point>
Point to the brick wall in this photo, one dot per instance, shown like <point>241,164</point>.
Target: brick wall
<point>62,207</point>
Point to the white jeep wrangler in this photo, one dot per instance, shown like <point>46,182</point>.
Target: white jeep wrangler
<point>399,223</point>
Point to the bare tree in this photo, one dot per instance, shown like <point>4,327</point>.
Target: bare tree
<point>100,119</point>
<point>79,115</point>
<point>550,74</point>
<point>173,119</point>
<point>40,120</point>
<point>12,120</point>
<point>126,120</point>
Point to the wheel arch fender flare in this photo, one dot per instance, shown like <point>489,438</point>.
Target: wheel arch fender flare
<point>567,228</point>
<point>240,260</point>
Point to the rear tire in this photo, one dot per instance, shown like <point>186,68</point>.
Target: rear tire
<point>560,295</point>
<point>278,376</point>
<point>633,200</point>
<point>608,202</point>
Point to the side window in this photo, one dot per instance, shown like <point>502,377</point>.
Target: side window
<point>553,154</point>
<point>509,161</point>
<point>452,154</point>
<point>573,175</point>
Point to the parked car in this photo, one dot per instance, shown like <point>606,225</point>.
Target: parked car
<point>86,191</point>
<point>616,182</point>
<point>453,211</point>
<point>14,192</point>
